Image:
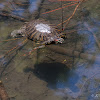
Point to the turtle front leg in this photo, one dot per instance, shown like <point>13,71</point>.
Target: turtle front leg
<point>21,31</point>
<point>15,33</point>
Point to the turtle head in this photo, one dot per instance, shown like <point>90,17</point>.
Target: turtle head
<point>59,40</point>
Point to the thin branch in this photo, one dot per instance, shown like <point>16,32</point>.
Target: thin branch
<point>59,8</point>
<point>5,14</point>
<point>71,15</point>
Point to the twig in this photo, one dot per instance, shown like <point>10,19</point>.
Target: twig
<point>83,86</point>
<point>72,14</point>
<point>59,8</point>
<point>13,16</point>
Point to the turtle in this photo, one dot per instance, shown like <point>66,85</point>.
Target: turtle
<point>39,30</point>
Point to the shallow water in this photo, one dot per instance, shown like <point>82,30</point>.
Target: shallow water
<point>46,75</point>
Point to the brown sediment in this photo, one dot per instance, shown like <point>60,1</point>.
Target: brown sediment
<point>3,93</point>
<point>73,53</point>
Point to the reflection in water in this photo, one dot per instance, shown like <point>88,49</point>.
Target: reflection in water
<point>90,42</point>
<point>70,82</point>
<point>91,71</point>
<point>87,75</point>
<point>18,8</point>
<point>81,81</point>
<point>18,12</point>
<point>33,5</point>
<point>1,6</point>
<point>90,83</point>
<point>3,61</point>
<point>84,80</point>
<point>58,76</point>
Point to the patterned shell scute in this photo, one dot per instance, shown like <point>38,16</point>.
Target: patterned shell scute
<point>41,30</point>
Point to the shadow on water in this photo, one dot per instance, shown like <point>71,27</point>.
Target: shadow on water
<point>57,75</point>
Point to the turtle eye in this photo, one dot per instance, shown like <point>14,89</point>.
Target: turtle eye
<point>60,40</point>
<point>56,40</point>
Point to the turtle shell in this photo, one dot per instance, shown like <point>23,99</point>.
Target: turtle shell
<point>41,30</point>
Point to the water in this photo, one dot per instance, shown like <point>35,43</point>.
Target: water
<point>46,75</point>
<point>84,74</point>
<point>33,5</point>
